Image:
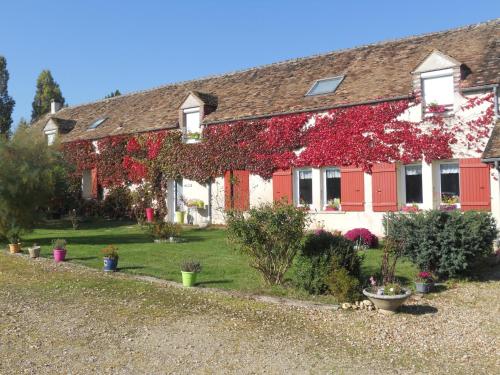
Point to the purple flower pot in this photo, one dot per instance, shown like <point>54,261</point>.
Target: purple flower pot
<point>59,255</point>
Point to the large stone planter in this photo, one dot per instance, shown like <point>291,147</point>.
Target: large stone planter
<point>387,304</point>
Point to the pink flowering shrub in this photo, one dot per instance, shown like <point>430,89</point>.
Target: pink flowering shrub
<point>368,238</point>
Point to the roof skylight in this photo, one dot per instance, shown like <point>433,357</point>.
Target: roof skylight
<point>325,86</point>
<point>96,123</point>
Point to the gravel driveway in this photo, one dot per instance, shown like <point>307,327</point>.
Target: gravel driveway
<point>63,318</point>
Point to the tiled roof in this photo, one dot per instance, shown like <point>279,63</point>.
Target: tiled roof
<point>381,70</point>
<point>492,150</point>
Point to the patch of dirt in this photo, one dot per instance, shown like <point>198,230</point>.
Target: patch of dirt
<point>68,319</point>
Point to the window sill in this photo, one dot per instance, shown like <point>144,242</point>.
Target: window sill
<point>332,212</point>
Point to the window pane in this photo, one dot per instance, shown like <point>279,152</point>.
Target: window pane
<point>450,181</point>
<point>324,86</point>
<point>413,183</point>
<point>438,90</point>
<point>193,122</point>
<point>305,187</point>
<point>332,184</point>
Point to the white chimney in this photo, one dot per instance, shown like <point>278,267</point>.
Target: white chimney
<point>54,106</point>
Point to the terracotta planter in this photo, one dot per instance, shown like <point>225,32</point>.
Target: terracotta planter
<point>59,255</point>
<point>34,251</point>
<point>387,304</point>
<point>14,248</point>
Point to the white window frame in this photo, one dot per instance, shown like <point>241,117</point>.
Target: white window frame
<point>296,189</point>
<point>438,166</point>
<point>191,111</point>
<point>324,201</point>
<point>51,137</point>
<point>402,170</point>
<point>434,75</point>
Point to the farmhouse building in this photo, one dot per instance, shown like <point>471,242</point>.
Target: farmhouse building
<point>440,72</point>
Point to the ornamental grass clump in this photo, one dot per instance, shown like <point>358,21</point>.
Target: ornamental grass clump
<point>191,266</point>
<point>271,235</point>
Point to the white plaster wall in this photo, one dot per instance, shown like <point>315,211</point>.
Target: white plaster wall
<point>495,195</point>
<point>261,191</point>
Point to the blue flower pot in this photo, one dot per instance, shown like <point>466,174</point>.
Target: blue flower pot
<point>423,287</point>
<point>110,264</point>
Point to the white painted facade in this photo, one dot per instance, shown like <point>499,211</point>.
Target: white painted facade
<point>261,191</point>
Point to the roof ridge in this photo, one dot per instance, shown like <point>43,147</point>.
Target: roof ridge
<point>287,61</point>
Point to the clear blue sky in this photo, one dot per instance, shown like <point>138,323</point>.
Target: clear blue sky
<point>93,47</point>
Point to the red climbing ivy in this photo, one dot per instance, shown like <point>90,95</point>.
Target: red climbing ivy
<point>352,136</point>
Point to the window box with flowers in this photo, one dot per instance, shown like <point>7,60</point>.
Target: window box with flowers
<point>449,202</point>
<point>411,208</point>
<point>333,205</point>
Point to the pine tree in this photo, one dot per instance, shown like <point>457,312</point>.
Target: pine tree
<point>47,89</point>
<point>6,102</point>
<point>113,94</point>
<point>22,125</point>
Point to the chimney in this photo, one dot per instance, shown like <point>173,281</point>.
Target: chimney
<point>54,106</point>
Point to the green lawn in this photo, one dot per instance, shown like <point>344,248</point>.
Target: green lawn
<point>222,266</point>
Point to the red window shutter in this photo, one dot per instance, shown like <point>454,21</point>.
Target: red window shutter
<point>384,187</point>
<point>474,185</point>
<point>352,185</point>
<point>237,190</point>
<point>282,185</point>
<point>94,183</point>
<point>227,190</point>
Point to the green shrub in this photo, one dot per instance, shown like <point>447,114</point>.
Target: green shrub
<point>345,287</point>
<point>271,235</point>
<point>163,230</point>
<point>443,242</point>
<point>118,203</point>
<point>321,254</point>
<point>27,180</point>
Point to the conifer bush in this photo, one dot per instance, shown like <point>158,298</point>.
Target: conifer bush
<point>448,243</point>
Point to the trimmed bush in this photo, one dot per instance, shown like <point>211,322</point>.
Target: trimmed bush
<point>364,235</point>
<point>447,243</point>
<point>271,235</point>
<point>118,203</point>
<point>345,287</point>
<point>321,254</point>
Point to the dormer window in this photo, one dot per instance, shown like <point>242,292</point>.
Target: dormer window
<point>192,124</point>
<point>51,137</point>
<point>438,90</point>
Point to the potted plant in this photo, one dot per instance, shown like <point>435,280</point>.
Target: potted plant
<point>150,214</point>
<point>387,298</point>
<point>333,205</point>
<point>179,217</point>
<point>424,282</point>
<point>110,258</point>
<point>190,270</point>
<point>195,203</point>
<point>59,251</point>
<point>14,241</point>
<point>411,208</point>
<point>34,251</point>
<point>449,202</point>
